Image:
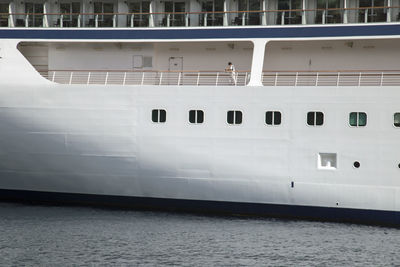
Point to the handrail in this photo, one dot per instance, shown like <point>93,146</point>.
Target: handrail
<point>222,78</point>
<point>331,78</point>
<point>207,12</point>
<point>140,71</point>
<point>156,78</point>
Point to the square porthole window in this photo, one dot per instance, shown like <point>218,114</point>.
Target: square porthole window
<point>159,115</point>
<point>327,161</point>
<point>396,119</point>
<point>358,119</point>
<point>196,116</point>
<point>315,118</point>
<point>273,117</point>
<point>234,117</point>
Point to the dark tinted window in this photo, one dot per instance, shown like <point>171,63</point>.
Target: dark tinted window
<point>315,118</point>
<point>273,117</point>
<point>234,117</point>
<point>159,115</point>
<point>396,120</point>
<point>196,116</point>
<point>358,119</point>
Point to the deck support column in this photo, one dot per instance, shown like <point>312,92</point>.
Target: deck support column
<point>257,62</point>
<point>303,13</point>
<point>151,11</point>
<point>345,18</point>
<point>389,11</point>
<point>225,17</point>
<point>264,14</point>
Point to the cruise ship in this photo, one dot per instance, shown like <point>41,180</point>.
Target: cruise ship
<point>134,104</point>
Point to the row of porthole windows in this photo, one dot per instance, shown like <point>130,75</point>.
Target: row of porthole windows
<point>314,118</point>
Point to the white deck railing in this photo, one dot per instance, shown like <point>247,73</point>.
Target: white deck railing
<point>342,78</point>
<point>148,78</point>
<point>202,78</point>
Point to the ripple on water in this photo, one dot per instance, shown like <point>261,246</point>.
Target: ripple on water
<point>47,235</point>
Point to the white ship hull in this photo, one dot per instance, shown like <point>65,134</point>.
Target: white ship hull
<point>95,140</point>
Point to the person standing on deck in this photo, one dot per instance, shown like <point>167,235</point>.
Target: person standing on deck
<point>232,70</point>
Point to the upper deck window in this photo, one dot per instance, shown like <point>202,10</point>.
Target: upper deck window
<point>212,18</point>
<point>252,18</point>
<point>290,17</point>
<point>328,11</point>
<point>139,20</point>
<point>37,8</point>
<point>67,9</point>
<point>174,19</point>
<point>104,7</point>
<point>315,118</point>
<point>372,14</point>
<point>4,9</point>
<point>358,119</point>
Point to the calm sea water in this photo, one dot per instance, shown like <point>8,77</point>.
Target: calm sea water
<point>52,235</point>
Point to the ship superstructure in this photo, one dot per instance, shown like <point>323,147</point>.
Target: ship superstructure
<point>130,103</point>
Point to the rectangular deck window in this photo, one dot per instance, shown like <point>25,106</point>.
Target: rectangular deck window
<point>4,10</point>
<point>159,115</point>
<point>315,118</point>
<point>358,119</point>
<point>234,117</point>
<point>273,117</point>
<point>196,116</point>
<point>396,119</point>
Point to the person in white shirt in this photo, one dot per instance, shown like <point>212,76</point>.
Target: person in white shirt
<point>232,70</point>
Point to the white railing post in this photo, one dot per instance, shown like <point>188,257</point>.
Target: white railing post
<point>142,79</point>
<point>105,82</point>
<point>381,80</point>
<point>88,78</point>
<point>198,78</point>
<point>295,81</point>
<point>205,20</point>
<point>168,20</point>
<point>283,18</point>
<point>366,16</point>
<point>276,79</point>
<point>359,79</point>
<point>27,20</point>
<point>123,83</point>
<point>70,77</point>
<point>61,21</point>
<point>179,78</point>
<point>114,21</point>
<point>161,76</point>
<point>79,21</point>
<point>246,76</point>
<point>132,17</point>
<point>323,16</point>
<point>316,80</point>
<point>186,20</point>
<point>96,21</point>
<point>337,79</point>
<point>216,81</point>
<point>54,76</point>
<point>243,19</point>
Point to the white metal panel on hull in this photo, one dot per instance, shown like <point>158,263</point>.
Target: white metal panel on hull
<point>101,140</point>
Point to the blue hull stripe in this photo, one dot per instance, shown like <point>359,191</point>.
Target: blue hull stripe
<point>205,33</point>
<point>375,217</point>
